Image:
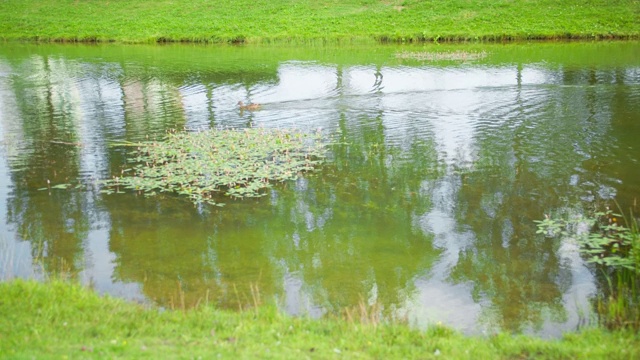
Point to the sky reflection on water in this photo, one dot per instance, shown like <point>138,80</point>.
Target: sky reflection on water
<point>425,208</point>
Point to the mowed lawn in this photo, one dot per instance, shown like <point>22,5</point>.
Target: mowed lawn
<point>266,21</point>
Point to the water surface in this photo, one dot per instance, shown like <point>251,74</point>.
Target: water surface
<point>424,210</point>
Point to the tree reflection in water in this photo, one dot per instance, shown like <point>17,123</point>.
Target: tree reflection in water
<point>437,173</point>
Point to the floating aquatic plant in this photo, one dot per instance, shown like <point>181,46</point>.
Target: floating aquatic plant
<point>442,56</point>
<point>201,165</point>
<point>601,237</point>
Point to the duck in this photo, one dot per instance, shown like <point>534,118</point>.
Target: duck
<point>250,107</point>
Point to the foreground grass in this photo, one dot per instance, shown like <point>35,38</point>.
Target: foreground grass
<point>222,21</point>
<point>61,320</point>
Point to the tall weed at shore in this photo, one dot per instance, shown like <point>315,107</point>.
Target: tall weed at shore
<point>618,306</point>
<point>611,242</point>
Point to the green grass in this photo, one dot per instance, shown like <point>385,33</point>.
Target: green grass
<point>618,304</point>
<point>64,320</point>
<point>266,21</point>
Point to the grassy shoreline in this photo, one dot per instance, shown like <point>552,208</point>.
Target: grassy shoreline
<point>307,21</point>
<point>63,319</point>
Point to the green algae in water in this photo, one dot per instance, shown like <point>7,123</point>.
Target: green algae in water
<point>203,164</point>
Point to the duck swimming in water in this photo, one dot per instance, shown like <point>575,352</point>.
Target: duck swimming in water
<point>250,107</point>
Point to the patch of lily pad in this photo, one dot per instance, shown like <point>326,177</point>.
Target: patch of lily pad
<point>205,164</point>
<point>442,56</point>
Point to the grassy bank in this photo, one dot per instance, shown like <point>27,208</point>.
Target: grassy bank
<point>264,21</point>
<point>59,319</point>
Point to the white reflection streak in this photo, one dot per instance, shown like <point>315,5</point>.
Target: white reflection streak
<point>452,95</point>
<point>196,104</point>
<point>11,131</point>
<point>359,80</point>
<point>15,256</point>
<point>300,81</point>
<point>296,300</point>
<point>85,100</point>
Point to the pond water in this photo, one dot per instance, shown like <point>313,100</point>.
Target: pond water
<point>424,210</point>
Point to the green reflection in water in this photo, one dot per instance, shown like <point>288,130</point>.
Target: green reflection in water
<point>562,130</point>
<point>342,233</point>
